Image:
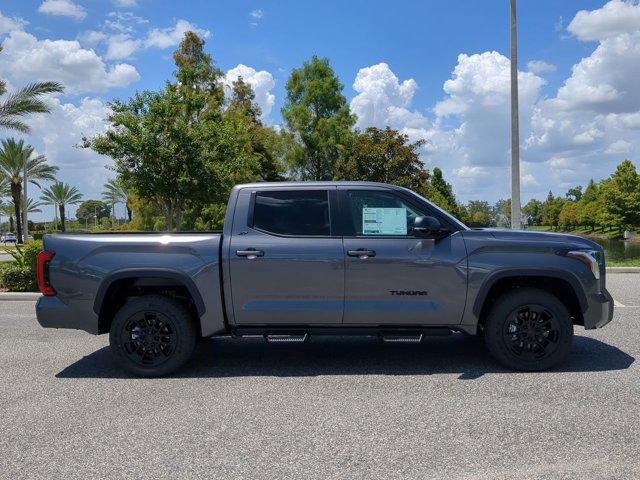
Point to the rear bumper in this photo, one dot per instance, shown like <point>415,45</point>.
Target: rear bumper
<point>599,311</point>
<point>52,312</point>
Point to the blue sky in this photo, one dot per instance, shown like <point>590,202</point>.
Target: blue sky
<point>435,70</point>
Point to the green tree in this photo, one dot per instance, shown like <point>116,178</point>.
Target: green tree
<point>318,119</point>
<point>502,213</point>
<point>443,187</point>
<point>533,211</point>
<point>568,217</point>
<point>8,211</point>
<point>621,197</point>
<point>23,102</point>
<point>478,214</point>
<point>14,157</point>
<point>574,194</point>
<point>112,194</point>
<point>384,156</point>
<point>177,150</point>
<point>61,194</point>
<point>589,206</point>
<point>242,100</point>
<point>91,211</point>
<point>551,209</point>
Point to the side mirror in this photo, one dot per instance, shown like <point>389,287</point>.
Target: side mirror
<point>429,227</point>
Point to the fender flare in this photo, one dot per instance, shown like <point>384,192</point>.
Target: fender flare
<point>166,273</point>
<point>494,277</point>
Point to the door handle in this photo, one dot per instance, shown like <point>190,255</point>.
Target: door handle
<point>250,253</point>
<point>361,253</point>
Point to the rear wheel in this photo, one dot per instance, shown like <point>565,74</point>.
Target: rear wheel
<point>153,335</point>
<point>529,330</point>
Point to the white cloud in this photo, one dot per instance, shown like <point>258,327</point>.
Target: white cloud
<point>589,125</point>
<point>612,19</point>
<point>26,58</point>
<point>257,14</point>
<point>125,3</point>
<point>121,46</point>
<point>261,82</point>
<point>91,37</point>
<point>8,24</point>
<point>170,37</point>
<point>540,66</point>
<point>383,100</point>
<point>58,135</point>
<point>618,147</point>
<point>63,8</point>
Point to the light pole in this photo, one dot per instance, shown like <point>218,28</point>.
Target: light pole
<point>515,125</point>
<point>25,222</point>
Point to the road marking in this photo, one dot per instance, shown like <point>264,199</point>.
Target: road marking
<point>616,303</point>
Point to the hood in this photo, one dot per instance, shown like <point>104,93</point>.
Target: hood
<point>560,240</point>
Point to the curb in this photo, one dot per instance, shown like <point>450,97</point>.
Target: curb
<point>19,296</point>
<point>623,269</point>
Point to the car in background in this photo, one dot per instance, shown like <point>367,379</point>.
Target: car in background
<point>8,238</point>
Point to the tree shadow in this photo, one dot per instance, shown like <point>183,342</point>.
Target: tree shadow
<point>461,354</point>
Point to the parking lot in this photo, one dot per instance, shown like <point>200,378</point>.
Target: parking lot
<point>331,408</point>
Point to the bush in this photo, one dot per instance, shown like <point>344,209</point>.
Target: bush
<point>18,279</point>
<point>20,275</point>
<point>30,254</point>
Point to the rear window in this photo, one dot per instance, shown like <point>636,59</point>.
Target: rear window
<point>292,212</point>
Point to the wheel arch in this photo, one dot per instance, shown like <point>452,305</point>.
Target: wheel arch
<point>560,283</point>
<point>118,285</point>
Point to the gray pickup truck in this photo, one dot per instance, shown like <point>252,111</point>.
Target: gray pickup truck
<point>325,258</point>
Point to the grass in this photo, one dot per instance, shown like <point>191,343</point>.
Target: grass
<point>627,262</point>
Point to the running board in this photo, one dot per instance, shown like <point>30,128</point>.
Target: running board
<point>401,338</point>
<point>278,338</point>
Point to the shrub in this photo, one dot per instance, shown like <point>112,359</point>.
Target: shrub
<point>18,279</point>
<point>30,254</point>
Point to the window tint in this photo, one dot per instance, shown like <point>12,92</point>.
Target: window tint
<point>292,212</point>
<point>380,213</point>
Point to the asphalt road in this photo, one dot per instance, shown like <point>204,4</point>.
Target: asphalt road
<point>332,408</point>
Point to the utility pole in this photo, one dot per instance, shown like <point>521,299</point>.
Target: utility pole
<point>25,222</point>
<point>515,125</point>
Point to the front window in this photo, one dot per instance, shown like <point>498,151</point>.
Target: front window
<point>292,212</point>
<point>375,213</point>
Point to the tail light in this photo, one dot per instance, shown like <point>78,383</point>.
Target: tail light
<point>45,288</point>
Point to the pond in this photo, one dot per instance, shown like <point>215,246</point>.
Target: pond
<point>620,250</point>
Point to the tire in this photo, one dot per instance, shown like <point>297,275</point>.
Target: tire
<point>529,330</point>
<point>153,335</point>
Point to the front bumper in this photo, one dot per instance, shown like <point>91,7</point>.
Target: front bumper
<point>52,312</point>
<point>599,310</point>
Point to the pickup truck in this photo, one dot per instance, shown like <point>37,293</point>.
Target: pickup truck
<point>325,258</point>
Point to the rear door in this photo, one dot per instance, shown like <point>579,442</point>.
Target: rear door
<point>392,277</point>
<point>285,266</point>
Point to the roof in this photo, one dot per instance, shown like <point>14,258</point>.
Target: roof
<point>327,183</point>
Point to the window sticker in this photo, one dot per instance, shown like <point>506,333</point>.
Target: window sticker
<point>384,221</point>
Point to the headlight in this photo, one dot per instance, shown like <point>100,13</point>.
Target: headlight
<point>591,258</point>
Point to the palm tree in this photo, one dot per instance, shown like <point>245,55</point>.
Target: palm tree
<point>5,191</point>
<point>33,206</point>
<point>6,210</point>
<point>61,194</point>
<point>14,157</point>
<point>114,193</point>
<point>23,102</point>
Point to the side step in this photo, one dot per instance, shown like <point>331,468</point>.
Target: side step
<point>401,338</point>
<point>280,338</point>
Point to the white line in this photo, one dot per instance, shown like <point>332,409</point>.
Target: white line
<point>616,303</point>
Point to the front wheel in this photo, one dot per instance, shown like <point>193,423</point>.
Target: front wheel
<point>529,329</point>
<point>153,335</point>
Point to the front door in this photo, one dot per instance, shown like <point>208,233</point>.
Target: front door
<point>392,277</point>
<point>285,266</point>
